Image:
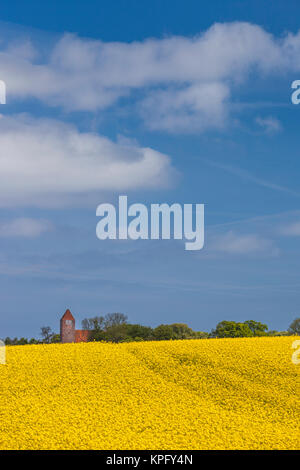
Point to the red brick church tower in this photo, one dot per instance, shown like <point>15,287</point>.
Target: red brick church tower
<point>68,334</point>
<point>67,328</point>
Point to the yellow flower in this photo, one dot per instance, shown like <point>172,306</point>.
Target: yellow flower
<point>240,393</point>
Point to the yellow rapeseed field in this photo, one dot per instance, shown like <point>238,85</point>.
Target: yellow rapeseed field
<point>195,394</point>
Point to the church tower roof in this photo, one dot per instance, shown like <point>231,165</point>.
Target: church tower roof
<point>67,315</point>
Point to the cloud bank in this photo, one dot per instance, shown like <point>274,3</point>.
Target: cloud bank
<point>185,82</point>
<point>177,84</point>
<point>47,162</point>
<point>24,227</point>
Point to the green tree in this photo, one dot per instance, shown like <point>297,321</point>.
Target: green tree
<point>181,331</point>
<point>162,332</point>
<point>257,328</point>
<point>22,341</point>
<point>115,333</point>
<point>92,324</point>
<point>278,333</point>
<point>294,328</point>
<point>55,338</point>
<point>46,334</point>
<point>201,334</point>
<point>231,329</point>
<point>114,319</point>
<point>35,341</point>
<point>139,331</point>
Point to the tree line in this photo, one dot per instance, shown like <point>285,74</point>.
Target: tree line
<point>46,336</point>
<point>115,328</point>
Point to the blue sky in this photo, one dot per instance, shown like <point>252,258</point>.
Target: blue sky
<point>176,101</point>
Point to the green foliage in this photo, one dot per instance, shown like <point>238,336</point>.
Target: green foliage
<point>35,341</point>
<point>201,335</point>
<point>115,333</point>
<point>139,331</point>
<point>114,328</point>
<point>93,324</point>
<point>46,334</point>
<point>294,328</point>
<point>162,332</point>
<point>122,332</point>
<point>111,327</point>
<point>22,341</point>
<point>232,329</point>
<point>18,342</point>
<point>181,331</point>
<point>55,338</point>
<point>278,333</point>
<point>257,328</point>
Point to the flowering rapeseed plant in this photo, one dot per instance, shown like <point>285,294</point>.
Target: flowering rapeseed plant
<point>240,393</point>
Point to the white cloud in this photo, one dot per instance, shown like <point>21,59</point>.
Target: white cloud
<point>269,124</point>
<point>25,227</point>
<point>197,107</point>
<point>291,229</point>
<point>178,75</point>
<point>47,162</point>
<point>243,244</point>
